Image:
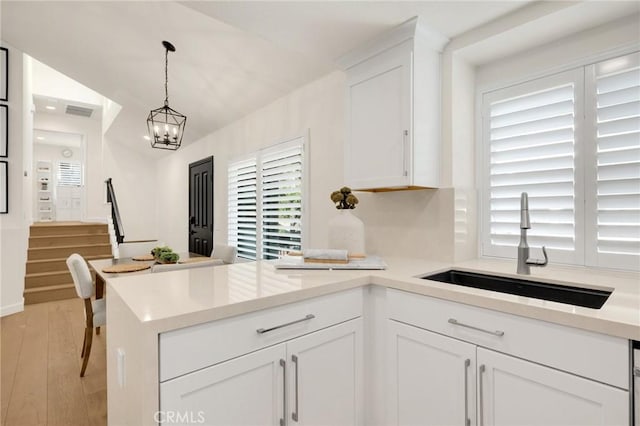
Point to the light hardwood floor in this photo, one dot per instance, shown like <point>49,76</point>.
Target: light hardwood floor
<point>40,362</point>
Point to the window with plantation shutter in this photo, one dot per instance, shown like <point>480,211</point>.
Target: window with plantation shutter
<point>531,135</point>
<point>266,194</point>
<point>242,198</point>
<point>572,142</point>
<point>614,220</point>
<point>69,174</point>
<point>281,199</point>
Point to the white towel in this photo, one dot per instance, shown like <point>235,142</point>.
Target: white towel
<point>325,254</point>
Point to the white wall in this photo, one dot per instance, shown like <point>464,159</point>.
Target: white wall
<point>51,83</point>
<point>317,107</point>
<point>136,187</point>
<point>14,225</point>
<point>621,36</point>
<point>408,223</point>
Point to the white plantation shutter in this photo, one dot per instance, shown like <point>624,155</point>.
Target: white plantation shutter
<point>266,198</point>
<point>281,201</point>
<point>243,194</point>
<point>614,222</point>
<point>530,146</point>
<point>69,173</point>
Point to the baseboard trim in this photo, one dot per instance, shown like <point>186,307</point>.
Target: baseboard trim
<point>12,309</point>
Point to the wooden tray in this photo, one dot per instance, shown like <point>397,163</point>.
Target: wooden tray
<point>195,259</point>
<point>142,257</point>
<point>125,267</point>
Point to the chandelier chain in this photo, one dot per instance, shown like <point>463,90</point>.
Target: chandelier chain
<point>166,77</point>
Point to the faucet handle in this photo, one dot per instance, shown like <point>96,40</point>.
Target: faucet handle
<point>538,262</point>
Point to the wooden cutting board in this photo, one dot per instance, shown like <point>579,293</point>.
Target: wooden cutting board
<point>125,267</point>
<point>142,257</point>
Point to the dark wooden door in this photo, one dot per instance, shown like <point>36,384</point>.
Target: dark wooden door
<point>201,206</point>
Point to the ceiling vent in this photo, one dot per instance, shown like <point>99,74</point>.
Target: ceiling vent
<point>80,111</point>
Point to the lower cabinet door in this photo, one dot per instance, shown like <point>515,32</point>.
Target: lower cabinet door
<point>325,377</point>
<point>512,392</point>
<point>431,378</point>
<point>248,390</point>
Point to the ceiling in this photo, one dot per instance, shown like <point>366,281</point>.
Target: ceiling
<point>232,57</point>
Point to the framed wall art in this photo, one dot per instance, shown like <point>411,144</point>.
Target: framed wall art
<point>4,131</point>
<point>4,187</point>
<point>4,74</point>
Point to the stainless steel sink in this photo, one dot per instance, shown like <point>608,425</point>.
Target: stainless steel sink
<point>585,297</point>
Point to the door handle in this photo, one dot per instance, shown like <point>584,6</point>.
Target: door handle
<point>405,137</point>
<point>283,364</point>
<point>295,413</point>
<point>480,402</point>
<point>467,420</point>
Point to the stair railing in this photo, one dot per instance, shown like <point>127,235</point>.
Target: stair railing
<point>115,212</point>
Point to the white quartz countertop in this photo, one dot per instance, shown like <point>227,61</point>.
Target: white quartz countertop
<point>178,299</point>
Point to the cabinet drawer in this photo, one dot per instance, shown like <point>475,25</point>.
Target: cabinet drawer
<point>597,356</point>
<point>199,346</point>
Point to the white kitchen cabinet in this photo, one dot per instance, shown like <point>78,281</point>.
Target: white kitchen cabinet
<point>325,376</point>
<point>247,390</point>
<point>431,378</point>
<point>512,391</point>
<point>515,371</point>
<point>393,110</point>
<point>322,372</point>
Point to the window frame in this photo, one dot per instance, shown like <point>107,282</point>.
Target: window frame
<point>585,171</point>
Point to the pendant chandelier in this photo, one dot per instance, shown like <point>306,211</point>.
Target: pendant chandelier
<point>166,125</point>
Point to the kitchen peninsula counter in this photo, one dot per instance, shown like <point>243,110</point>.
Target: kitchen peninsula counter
<point>178,299</point>
<point>141,308</point>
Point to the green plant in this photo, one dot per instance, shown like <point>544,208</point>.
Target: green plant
<point>165,254</point>
<point>169,257</point>
<point>344,199</point>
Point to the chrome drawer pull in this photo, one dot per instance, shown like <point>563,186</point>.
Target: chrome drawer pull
<point>266,330</point>
<point>495,333</point>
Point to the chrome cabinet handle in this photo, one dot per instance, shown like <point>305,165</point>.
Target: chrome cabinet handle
<point>467,420</point>
<point>294,414</point>
<point>266,330</point>
<point>405,137</point>
<point>636,371</point>
<point>283,364</point>
<point>495,333</point>
<point>481,403</point>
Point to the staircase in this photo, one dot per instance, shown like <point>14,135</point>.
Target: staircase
<point>50,244</point>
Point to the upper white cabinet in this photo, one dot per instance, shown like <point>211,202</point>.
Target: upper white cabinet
<point>393,110</point>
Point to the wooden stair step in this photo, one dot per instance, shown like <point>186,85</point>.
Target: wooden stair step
<point>67,240</point>
<point>71,228</point>
<point>56,265</point>
<point>49,293</point>
<point>57,252</point>
<point>43,279</point>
